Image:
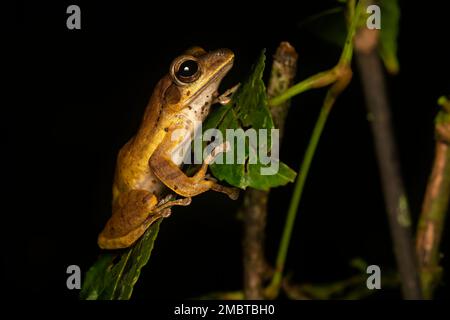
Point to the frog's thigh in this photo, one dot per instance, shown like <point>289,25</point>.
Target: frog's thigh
<point>129,219</point>
<point>170,174</point>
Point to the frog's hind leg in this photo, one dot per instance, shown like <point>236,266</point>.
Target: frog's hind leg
<point>129,220</point>
<point>133,213</point>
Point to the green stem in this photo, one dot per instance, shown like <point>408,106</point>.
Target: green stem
<point>319,80</point>
<point>330,99</point>
<point>339,76</point>
<point>295,200</point>
<point>347,52</point>
<point>328,77</point>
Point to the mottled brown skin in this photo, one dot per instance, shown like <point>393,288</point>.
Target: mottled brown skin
<point>145,165</point>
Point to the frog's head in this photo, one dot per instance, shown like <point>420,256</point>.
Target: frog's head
<point>196,76</point>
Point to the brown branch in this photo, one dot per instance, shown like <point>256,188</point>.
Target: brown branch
<point>377,103</point>
<point>284,68</point>
<point>254,208</point>
<point>254,211</point>
<point>435,206</point>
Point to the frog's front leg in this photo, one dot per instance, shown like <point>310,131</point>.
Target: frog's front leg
<point>226,97</point>
<point>171,175</point>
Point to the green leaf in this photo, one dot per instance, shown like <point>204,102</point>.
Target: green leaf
<point>113,276</point>
<point>248,109</point>
<point>390,17</point>
<point>265,182</point>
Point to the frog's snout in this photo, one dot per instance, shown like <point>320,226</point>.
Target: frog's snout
<point>225,54</point>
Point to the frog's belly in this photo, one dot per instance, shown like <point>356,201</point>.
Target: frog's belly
<point>193,119</point>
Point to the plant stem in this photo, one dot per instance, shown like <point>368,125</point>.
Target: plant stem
<point>435,206</point>
<point>394,192</point>
<point>319,80</point>
<point>330,99</point>
<point>328,77</point>
<point>339,77</point>
<point>295,200</point>
<point>396,202</point>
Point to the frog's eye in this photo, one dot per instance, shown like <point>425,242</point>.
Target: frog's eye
<point>185,70</point>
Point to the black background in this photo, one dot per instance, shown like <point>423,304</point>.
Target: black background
<point>78,95</point>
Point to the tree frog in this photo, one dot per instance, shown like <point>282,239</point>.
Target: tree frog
<point>146,168</point>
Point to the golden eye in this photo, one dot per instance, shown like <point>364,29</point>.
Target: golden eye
<point>185,70</point>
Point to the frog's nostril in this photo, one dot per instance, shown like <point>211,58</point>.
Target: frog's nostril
<point>225,52</point>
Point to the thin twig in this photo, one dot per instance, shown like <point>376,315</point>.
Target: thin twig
<point>435,206</point>
<point>254,208</point>
<point>372,78</point>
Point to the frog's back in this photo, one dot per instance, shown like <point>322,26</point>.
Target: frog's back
<point>132,168</point>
